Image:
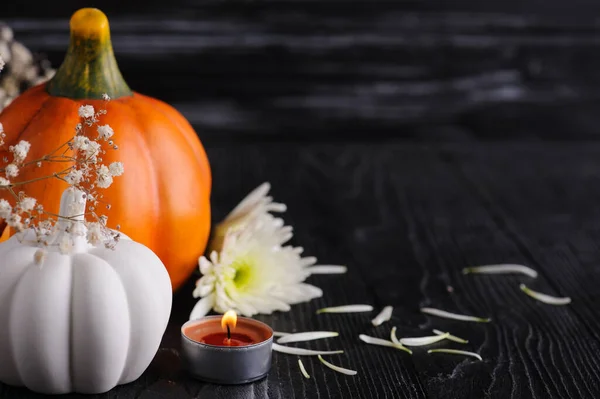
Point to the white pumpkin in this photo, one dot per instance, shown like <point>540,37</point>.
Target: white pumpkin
<point>80,322</point>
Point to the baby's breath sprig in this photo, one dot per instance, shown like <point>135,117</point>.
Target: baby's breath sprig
<point>84,172</point>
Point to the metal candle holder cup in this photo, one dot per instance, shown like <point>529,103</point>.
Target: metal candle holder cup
<point>227,364</point>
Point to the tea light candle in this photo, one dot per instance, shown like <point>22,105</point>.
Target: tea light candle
<point>227,349</point>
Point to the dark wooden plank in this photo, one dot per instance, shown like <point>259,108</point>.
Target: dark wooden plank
<point>323,229</point>
<point>546,202</point>
<point>532,350</point>
<point>406,220</point>
<point>322,69</point>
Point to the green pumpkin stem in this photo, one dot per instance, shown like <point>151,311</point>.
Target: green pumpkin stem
<point>89,69</point>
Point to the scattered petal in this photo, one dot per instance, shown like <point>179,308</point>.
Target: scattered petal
<point>280,334</point>
<point>327,269</point>
<point>346,309</point>
<point>455,316</point>
<point>550,300</point>
<point>501,269</point>
<point>397,342</point>
<point>302,369</point>
<point>422,341</point>
<point>382,342</point>
<point>337,368</point>
<point>383,316</point>
<point>301,351</point>
<point>455,352</point>
<point>306,336</point>
<point>451,337</point>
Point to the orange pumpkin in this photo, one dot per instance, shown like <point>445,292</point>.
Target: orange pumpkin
<point>163,198</point>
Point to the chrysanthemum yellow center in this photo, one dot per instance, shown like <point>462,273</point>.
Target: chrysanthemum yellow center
<point>243,273</point>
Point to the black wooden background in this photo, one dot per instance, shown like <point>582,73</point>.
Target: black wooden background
<point>409,139</point>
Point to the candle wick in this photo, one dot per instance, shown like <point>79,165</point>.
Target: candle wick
<point>228,333</point>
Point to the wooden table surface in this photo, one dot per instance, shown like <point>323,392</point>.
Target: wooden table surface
<point>404,160</point>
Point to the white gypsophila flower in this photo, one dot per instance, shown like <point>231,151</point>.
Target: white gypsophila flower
<point>116,169</point>
<point>86,111</point>
<point>95,235</point>
<point>11,170</point>
<point>92,150</point>
<point>80,143</point>
<point>77,228</point>
<point>14,221</point>
<point>103,177</point>
<point>74,176</point>
<point>5,209</point>
<point>254,273</point>
<point>1,128</point>
<point>65,244</point>
<point>4,182</point>
<point>27,204</point>
<point>105,132</point>
<point>20,150</point>
<point>105,97</point>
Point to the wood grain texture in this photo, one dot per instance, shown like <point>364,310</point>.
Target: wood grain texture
<point>323,99</point>
<point>406,219</point>
<point>298,69</point>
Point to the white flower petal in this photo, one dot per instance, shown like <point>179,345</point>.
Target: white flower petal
<point>501,269</point>
<point>455,352</point>
<point>250,200</point>
<point>302,369</point>
<point>383,316</point>
<point>205,265</point>
<point>280,334</point>
<point>550,300</point>
<point>327,269</point>
<point>422,341</point>
<point>202,308</point>
<point>346,309</point>
<point>455,316</point>
<point>382,342</point>
<point>451,337</point>
<point>306,336</point>
<point>337,368</point>
<point>301,351</point>
<point>202,290</point>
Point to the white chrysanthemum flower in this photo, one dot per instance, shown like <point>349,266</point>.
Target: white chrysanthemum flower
<point>27,204</point>
<point>103,177</point>
<point>4,182</point>
<point>86,111</point>
<point>105,132</point>
<point>116,169</point>
<point>11,170</point>
<point>254,273</point>
<point>5,209</point>
<point>20,150</point>
<point>254,206</point>
<point>75,176</point>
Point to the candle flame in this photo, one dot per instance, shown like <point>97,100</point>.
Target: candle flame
<point>229,320</point>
